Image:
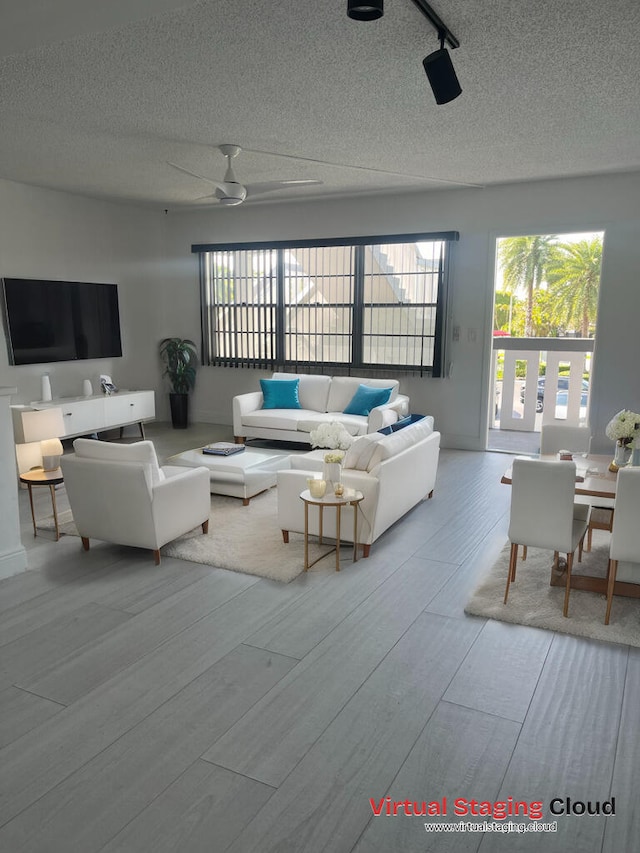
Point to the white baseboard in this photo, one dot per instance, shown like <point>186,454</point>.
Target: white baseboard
<point>13,562</point>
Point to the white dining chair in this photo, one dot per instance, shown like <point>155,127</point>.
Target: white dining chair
<point>544,514</point>
<point>625,535</point>
<point>555,437</point>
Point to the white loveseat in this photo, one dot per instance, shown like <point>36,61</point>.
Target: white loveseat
<point>322,400</point>
<point>394,473</point>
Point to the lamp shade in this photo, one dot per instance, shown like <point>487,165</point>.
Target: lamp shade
<point>442,76</point>
<point>361,10</point>
<point>43,424</point>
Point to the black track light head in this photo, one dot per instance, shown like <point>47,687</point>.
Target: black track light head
<point>442,76</point>
<point>361,10</point>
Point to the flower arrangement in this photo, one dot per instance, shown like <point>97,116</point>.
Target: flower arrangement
<point>623,427</point>
<point>333,457</point>
<point>331,435</point>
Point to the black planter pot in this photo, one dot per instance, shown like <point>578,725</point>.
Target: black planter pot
<point>179,410</point>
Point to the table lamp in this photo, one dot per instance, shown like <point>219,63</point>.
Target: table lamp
<point>45,426</point>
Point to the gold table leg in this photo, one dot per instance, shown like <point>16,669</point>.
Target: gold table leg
<point>52,489</point>
<point>306,536</point>
<point>355,532</point>
<point>33,515</point>
<point>338,508</point>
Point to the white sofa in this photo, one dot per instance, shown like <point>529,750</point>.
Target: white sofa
<point>394,473</point>
<point>322,400</point>
<point>118,493</point>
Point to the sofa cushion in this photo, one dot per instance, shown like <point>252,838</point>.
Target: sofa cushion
<point>313,390</point>
<point>354,424</point>
<point>139,451</point>
<point>366,399</point>
<point>279,394</point>
<point>398,441</point>
<point>275,418</point>
<point>361,452</point>
<point>344,387</point>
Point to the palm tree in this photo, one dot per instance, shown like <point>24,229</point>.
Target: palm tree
<point>574,279</point>
<point>524,262</point>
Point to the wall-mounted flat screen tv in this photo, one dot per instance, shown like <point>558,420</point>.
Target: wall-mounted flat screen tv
<point>60,320</point>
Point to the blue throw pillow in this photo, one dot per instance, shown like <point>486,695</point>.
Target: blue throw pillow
<point>280,393</point>
<point>367,398</point>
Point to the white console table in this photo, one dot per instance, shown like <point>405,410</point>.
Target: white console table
<point>83,415</point>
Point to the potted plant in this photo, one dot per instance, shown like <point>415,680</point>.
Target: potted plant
<point>180,358</point>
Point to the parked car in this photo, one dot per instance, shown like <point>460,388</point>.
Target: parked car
<point>563,385</point>
<point>562,398</point>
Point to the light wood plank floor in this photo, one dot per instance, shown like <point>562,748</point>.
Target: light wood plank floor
<point>150,709</point>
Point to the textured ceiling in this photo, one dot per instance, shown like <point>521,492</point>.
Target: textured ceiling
<point>96,98</point>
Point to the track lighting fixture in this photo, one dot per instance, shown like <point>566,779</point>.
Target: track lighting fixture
<point>361,10</point>
<point>442,75</point>
<point>437,65</point>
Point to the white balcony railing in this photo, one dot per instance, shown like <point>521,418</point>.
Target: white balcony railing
<point>525,404</point>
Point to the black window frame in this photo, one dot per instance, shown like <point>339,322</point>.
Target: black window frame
<point>278,361</point>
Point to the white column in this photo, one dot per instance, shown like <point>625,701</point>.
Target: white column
<point>13,557</point>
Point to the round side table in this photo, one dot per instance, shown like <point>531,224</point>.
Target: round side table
<point>39,477</point>
<point>353,500</point>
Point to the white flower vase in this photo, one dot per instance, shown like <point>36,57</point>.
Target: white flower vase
<point>332,472</point>
<point>621,458</point>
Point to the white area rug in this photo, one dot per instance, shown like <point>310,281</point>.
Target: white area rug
<point>533,602</point>
<point>241,539</point>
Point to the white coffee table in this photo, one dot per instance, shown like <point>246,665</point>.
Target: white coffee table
<point>241,475</point>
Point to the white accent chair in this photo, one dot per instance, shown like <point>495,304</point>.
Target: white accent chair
<point>119,493</point>
<point>625,536</point>
<point>555,437</point>
<point>544,514</point>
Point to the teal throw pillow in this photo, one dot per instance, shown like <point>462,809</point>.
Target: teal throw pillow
<point>367,398</point>
<point>280,393</point>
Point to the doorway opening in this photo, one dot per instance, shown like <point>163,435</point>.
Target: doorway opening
<point>544,326</point>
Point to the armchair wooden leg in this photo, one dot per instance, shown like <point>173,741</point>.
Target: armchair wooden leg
<point>365,550</point>
<point>612,571</point>
<point>85,543</point>
<point>513,556</point>
<point>205,526</point>
<point>567,590</point>
<point>239,439</point>
<point>524,553</point>
<point>589,534</point>
<point>513,566</point>
<point>285,537</point>
<point>156,556</point>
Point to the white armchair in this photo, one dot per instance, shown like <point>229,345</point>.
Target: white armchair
<point>544,514</point>
<point>119,493</point>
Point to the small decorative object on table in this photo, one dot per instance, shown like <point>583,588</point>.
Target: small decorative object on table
<point>317,488</point>
<point>338,490</point>
<point>223,448</point>
<point>333,469</point>
<point>623,428</point>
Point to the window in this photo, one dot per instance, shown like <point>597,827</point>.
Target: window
<point>364,303</point>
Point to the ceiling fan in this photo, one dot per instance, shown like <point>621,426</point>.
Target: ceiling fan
<point>230,191</point>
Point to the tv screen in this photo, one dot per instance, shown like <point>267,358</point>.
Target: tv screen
<point>60,320</point>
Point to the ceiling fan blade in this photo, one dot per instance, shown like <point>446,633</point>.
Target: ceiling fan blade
<point>196,175</point>
<point>273,186</point>
<point>364,168</point>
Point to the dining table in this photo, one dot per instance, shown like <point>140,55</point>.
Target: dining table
<point>593,479</point>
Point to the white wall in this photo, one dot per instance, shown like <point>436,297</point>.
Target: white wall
<point>49,234</point>
<point>46,234</point>
<point>458,403</point>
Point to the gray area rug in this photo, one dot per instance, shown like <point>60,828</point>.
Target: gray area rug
<point>240,539</point>
<point>533,602</point>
